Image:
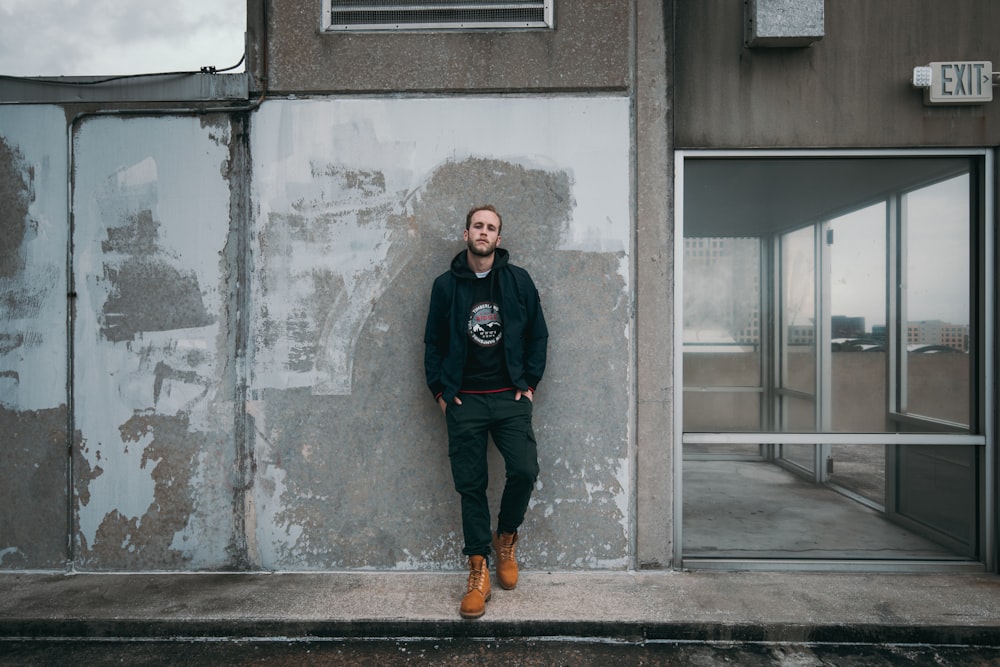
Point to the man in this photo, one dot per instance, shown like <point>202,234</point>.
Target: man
<point>484,355</point>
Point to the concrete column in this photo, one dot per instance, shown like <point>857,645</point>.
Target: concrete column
<point>654,290</point>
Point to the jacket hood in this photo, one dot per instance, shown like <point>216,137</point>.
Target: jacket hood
<point>460,264</point>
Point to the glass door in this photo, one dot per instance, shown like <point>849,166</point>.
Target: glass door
<point>858,267</point>
<point>799,389</point>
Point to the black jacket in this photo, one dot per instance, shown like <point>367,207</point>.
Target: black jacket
<point>445,340</point>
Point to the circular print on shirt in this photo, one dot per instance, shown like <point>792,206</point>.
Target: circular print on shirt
<point>485,326</point>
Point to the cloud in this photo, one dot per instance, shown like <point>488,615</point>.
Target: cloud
<point>107,37</point>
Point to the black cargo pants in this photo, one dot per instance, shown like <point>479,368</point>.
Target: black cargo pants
<point>509,422</point>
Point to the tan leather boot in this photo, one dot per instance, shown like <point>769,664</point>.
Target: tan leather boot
<point>506,565</point>
<point>478,593</point>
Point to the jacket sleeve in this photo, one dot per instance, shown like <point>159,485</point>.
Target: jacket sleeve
<point>536,338</point>
<point>436,337</point>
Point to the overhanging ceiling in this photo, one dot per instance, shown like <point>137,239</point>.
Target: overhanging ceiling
<point>760,196</point>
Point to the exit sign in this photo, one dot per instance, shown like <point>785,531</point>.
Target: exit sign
<point>968,82</point>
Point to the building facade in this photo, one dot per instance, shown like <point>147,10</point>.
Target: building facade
<point>215,289</point>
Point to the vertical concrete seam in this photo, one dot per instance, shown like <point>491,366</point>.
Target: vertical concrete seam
<point>70,346</point>
<point>633,459</point>
<point>243,545</point>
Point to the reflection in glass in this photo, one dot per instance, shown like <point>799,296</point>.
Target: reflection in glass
<point>934,491</point>
<point>721,365</point>
<point>798,414</point>
<point>937,301</point>
<point>798,310</point>
<point>740,509</point>
<point>727,451</point>
<point>722,411</point>
<point>801,455</point>
<point>722,310</point>
<point>938,385</point>
<point>860,469</point>
<point>722,334</point>
<point>858,261</point>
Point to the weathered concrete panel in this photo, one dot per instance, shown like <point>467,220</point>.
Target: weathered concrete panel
<point>588,50</point>
<point>153,354</point>
<point>653,291</point>
<point>358,205</point>
<point>850,89</point>
<point>33,239</point>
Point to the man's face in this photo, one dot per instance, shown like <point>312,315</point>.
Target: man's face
<point>483,233</point>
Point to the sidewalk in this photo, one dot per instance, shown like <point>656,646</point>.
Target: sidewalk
<point>960,609</point>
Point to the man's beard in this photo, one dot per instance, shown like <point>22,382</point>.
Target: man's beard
<point>489,249</point>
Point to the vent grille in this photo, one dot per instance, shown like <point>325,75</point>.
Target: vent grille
<point>438,15</point>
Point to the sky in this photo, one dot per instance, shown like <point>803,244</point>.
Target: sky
<point>110,37</point>
<point>937,280</point>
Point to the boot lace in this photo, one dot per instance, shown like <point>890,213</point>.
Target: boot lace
<point>504,551</point>
<point>476,578</point>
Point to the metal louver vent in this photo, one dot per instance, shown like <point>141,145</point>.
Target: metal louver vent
<point>436,14</point>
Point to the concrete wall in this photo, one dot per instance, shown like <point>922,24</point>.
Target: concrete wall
<point>359,204</point>
<point>34,517</point>
<point>240,296</point>
<point>599,47</point>
<point>212,328</point>
<point>850,89</point>
<point>247,384</point>
<point>590,50</point>
<point>156,466</point>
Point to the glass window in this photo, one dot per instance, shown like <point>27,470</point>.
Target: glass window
<point>935,298</point>
<point>827,301</point>
<point>722,351</point>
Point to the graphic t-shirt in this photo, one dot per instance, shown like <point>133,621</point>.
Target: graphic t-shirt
<point>485,368</point>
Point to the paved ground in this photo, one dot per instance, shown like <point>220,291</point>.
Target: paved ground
<point>581,618</point>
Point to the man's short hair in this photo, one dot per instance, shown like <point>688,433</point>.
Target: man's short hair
<point>483,207</point>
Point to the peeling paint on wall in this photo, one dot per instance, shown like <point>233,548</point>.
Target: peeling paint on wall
<point>33,347</point>
<point>32,258</point>
<point>323,263</point>
<point>356,206</point>
<point>334,183</point>
<point>154,485</point>
<point>147,291</point>
<point>359,205</point>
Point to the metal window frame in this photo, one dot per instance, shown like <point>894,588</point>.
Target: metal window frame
<point>328,24</point>
<point>985,240</point>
